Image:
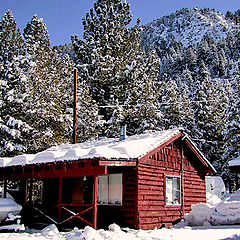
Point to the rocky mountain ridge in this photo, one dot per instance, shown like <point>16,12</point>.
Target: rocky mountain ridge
<point>188,26</point>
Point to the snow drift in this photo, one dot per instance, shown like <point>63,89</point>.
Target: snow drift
<point>225,212</point>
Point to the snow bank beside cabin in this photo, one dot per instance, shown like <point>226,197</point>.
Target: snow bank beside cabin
<point>219,212</point>
<point>215,186</point>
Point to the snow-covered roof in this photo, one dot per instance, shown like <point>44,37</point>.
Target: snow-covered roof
<point>235,162</point>
<point>132,147</point>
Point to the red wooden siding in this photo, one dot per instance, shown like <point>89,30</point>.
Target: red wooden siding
<point>124,215</point>
<point>152,169</point>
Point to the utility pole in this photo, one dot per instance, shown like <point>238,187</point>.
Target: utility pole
<point>75,107</point>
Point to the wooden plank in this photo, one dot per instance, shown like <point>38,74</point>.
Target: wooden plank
<point>118,163</point>
<point>45,215</point>
<point>151,177</point>
<point>150,197</point>
<point>151,214</point>
<point>5,189</point>
<point>151,208</point>
<point>151,192</point>
<point>81,168</point>
<point>150,220</point>
<point>150,182</point>
<point>60,186</point>
<point>31,190</point>
<point>150,226</point>
<point>150,187</point>
<point>151,203</point>
<point>95,185</point>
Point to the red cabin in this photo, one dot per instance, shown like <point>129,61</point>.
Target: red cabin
<point>143,181</point>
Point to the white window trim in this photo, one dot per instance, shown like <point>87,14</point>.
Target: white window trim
<point>180,190</point>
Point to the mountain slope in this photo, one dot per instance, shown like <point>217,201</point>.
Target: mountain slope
<point>188,26</point>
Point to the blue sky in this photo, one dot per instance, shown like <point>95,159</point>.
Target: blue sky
<point>63,17</point>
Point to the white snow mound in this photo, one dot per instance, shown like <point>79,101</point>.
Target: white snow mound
<point>50,230</point>
<point>226,212</point>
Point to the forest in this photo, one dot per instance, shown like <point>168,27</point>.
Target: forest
<point>125,76</point>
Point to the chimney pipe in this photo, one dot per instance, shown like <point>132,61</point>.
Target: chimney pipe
<point>75,108</point>
<point>123,132</point>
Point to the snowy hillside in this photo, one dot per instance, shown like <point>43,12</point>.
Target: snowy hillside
<point>188,26</point>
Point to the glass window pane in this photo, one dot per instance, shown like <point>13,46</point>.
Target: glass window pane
<point>169,190</point>
<point>102,197</point>
<point>173,190</point>
<point>115,189</point>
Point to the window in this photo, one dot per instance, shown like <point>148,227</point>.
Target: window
<point>110,189</point>
<point>173,190</point>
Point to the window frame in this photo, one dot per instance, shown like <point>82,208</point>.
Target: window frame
<point>108,203</point>
<point>167,203</point>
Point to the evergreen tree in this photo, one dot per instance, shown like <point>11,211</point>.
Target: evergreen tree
<point>111,60</point>
<point>233,120</point>
<point>88,120</point>
<point>210,107</point>
<point>14,130</point>
<point>48,84</point>
<point>169,103</point>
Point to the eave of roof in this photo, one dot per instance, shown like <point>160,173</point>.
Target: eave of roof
<point>198,152</point>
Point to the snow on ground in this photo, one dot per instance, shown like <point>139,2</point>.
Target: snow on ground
<point>225,212</point>
<point>115,233</point>
<point>220,213</point>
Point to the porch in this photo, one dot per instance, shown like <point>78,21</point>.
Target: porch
<point>75,193</point>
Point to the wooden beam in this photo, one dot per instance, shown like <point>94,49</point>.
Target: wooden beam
<point>23,192</point>
<point>81,168</point>
<point>95,186</point>
<point>5,189</point>
<point>60,196</point>
<point>118,163</point>
<point>31,190</point>
<point>45,215</point>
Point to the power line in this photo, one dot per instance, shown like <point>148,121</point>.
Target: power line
<point>162,103</point>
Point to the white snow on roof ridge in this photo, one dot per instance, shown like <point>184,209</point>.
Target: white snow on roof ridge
<point>132,147</point>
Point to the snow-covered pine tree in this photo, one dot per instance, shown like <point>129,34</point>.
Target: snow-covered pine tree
<point>88,120</point>
<point>111,56</point>
<point>169,103</point>
<point>233,120</point>
<point>210,102</point>
<point>14,130</point>
<point>48,85</point>
<point>142,94</point>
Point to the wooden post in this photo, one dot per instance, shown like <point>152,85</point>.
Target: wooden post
<point>5,189</point>
<point>60,196</point>
<point>23,192</point>
<point>30,190</point>
<point>75,108</point>
<point>236,179</point>
<point>95,185</point>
